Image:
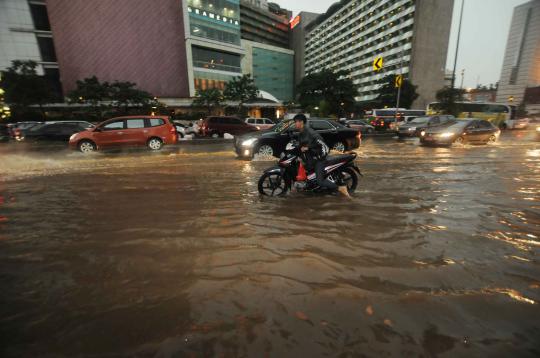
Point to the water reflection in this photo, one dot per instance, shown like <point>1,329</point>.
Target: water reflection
<point>176,255</point>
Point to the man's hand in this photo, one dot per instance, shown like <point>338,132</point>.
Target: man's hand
<point>304,148</point>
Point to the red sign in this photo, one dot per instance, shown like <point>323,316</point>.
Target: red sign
<point>295,21</point>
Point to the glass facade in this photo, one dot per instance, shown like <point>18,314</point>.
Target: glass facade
<point>206,80</point>
<point>215,60</point>
<point>217,20</point>
<point>273,72</point>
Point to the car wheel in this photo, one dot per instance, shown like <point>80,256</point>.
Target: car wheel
<point>492,139</point>
<point>265,151</point>
<point>459,140</point>
<point>155,143</point>
<point>339,146</point>
<point>87,146</point>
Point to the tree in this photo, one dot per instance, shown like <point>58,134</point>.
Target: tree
<point>24,87</point>
<point>209,98</point>
<point>92,92</point>
<point>388,92</point>
<point>124,94</point>
<point>334,88</point>
<point>447,98</point>
<point>241,89</point>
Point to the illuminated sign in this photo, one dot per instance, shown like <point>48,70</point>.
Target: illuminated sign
<point>295,21</point>
<point>212,15</point>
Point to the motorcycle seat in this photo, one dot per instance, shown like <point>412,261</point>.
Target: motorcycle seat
<point>333,159</point>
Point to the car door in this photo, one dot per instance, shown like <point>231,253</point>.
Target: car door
<point>110,134</point>
<point>474,133</point>
<point>327,131</point>
<point>66,130</point>
<point>433,122</point>
<point>135,133</point>
<point>485,129</point>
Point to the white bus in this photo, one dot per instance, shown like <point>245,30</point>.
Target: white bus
<point>384,118</point>
<point>501,115</point>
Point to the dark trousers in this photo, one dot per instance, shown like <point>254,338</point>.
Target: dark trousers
<point>321,181</point>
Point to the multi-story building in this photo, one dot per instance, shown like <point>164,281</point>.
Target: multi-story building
<point>25,34</point>
<point>521,65</point>
<point>411,37</point>
<point>298,41</point>
<point>266,41</point>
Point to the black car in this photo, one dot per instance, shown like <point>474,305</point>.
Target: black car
<point>417,125</point>
<point>55,131</point>
<point>4,133</point>
<point>460,132</point>
<point>273,141</point>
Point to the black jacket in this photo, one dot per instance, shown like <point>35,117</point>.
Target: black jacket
<point>318,150</point>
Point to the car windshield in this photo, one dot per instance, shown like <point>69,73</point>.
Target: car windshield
<point>283,126</point>
<point>458,125</point>
<point>420,120</point>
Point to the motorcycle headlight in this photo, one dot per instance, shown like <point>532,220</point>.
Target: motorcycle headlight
<point>249,142</point>
<point>423,133</point>
<point>446,134</point>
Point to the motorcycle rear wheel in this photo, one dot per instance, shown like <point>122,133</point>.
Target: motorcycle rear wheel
<point>272,184</point>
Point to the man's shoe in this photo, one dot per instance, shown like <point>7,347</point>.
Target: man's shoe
<point>343,190</point>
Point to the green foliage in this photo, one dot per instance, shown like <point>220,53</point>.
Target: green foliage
<point>24,87</point>
<point>388,93</point>
<point>334,88</point>
<point>210,99</point>
<point>241,89</point>
<point>447,97</point>
<point>102,95</point>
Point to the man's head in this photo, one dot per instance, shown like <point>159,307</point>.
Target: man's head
<point>300,121</point>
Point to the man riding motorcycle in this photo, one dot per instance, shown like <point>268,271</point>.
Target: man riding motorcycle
<point>315,152</point>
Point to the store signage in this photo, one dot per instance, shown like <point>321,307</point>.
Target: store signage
<point>212,15</point>
<point>295,21</point>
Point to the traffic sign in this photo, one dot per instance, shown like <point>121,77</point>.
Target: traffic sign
<point>378,63</point>
<point>399,81</point>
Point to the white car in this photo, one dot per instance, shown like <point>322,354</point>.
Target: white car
<point>260,123</point>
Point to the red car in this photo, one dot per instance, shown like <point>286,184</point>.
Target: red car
<point>150,131</point>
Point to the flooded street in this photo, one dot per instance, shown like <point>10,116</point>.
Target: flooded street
<point>174,254</point>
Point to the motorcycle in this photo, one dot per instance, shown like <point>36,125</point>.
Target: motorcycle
<point>289,172</point>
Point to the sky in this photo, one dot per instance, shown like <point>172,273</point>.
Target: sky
<point>484,33</point>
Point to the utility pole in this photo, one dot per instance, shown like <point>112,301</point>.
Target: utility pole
<point>399,88</point>
<point>462,76</point>
<point>457,45</point>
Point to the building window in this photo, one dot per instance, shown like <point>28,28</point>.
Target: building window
<point>216,60</point>
<point>46,49</point>
<point>40,17</point>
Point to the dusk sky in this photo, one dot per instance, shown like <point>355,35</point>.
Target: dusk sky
<point>483,35</point>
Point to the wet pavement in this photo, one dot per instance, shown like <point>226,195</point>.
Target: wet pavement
<point>174,254</point>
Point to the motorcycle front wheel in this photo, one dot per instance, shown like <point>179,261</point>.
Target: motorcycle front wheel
<point>348,177</point>
<point>272,184</point>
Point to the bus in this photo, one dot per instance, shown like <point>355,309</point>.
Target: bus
<point>501,115</point>
<point>385,118</point>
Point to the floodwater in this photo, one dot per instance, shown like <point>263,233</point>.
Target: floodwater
<point>174,254</point>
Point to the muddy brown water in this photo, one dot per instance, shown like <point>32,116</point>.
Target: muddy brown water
<point>174,254</point>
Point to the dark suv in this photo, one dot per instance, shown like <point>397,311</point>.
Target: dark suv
<point>218,126</point>
<point>417,125</point>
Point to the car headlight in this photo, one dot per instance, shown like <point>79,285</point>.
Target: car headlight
<point>411,129</point>
<point>249,142</point>
<point>538,129</point>
<point>446,135</point>
<point>72,136</point>
<point>423,133</point>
